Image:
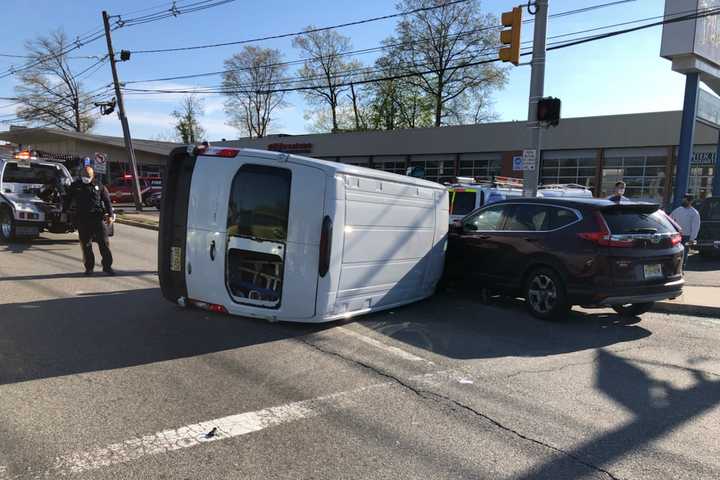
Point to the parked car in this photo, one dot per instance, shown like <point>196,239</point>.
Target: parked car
<point>120,189</point>
<point>469,194</point>
<point>708,240</point>
<point>560,252</point>
<point>154,200</point>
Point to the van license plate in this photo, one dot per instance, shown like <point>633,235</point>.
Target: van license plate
<point>653,271</point>
<point>175,259</point>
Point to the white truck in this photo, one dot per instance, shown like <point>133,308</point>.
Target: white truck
<point>284,237</point>
<point>31,197</point>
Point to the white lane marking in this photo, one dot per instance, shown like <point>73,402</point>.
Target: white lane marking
<point>192,435</point>
<point>227,427</point>
<point>399,352</point>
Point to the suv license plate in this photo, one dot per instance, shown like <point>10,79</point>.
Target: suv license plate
<point>652,271</point>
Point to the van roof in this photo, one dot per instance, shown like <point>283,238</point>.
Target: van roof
<point>332,168</point>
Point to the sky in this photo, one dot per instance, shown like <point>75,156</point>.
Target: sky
<point>624,74</point>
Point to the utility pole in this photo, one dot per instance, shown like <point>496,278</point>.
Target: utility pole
<point>137,196</point>
<point>537,87</point>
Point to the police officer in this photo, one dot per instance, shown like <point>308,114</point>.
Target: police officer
<point>92,204</point>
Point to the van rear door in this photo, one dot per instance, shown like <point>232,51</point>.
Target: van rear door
<point>275,212</point>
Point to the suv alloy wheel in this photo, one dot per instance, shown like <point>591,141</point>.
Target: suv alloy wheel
<point>545,294</point>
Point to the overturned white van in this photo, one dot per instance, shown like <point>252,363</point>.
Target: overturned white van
<point>282,237</point>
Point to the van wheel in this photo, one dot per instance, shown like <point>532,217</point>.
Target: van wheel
<point>545,295</point>
<point>7,224</point>
<point>633,309</point>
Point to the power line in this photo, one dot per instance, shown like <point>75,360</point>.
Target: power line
<point>557,46</point>
<point>304,32</point>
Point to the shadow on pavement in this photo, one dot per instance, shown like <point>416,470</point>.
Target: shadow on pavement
<point>19,246</point>
<point>122,329</point>
<point>455,326</point>
<point>80,274</point>
<point>659,408</point>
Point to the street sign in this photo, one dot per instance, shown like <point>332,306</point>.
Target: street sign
<point>517,164</point>
<point>529,160</point>
<point>100,163</point>
<point>708,108</point>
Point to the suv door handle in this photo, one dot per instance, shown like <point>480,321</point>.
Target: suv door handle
<point>530,239</point>
<point>483,237</point>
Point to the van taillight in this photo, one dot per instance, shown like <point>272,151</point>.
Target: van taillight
<point>325,246</point>
<point>603,237</point>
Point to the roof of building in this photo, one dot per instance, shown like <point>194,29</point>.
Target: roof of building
<point>37,135</point>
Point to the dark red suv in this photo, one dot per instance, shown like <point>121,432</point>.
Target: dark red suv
<point>557,253</point>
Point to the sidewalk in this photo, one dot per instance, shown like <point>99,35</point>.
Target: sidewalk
<point>695,300</point>
<point>149,218</point>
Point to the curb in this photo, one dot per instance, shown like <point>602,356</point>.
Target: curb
<point>692,310</point>
<point>133,223</point>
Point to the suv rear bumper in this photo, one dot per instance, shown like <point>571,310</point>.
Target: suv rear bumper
<point>642,294</point>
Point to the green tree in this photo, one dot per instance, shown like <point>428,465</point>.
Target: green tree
<point>187,120</point>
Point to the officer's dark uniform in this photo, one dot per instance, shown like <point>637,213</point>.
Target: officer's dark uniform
<point>92,202</point>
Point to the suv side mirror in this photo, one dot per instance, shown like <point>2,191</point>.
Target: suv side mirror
<point>456,226</point>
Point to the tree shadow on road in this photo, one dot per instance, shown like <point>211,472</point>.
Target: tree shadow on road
<point>115,330</point>
<point>456,326</point>
<point>659,408</point>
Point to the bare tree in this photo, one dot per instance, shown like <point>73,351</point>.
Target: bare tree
<point>250,81</point>
<point>326,69</point>
<point>187,119</point>
<point>50,92</point>
<point>450,42</point>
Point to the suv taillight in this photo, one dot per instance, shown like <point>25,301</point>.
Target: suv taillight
<point>325,246</point>
<point>675,238</point>
<point>603,237</point>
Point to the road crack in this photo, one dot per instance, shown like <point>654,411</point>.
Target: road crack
<point>436,398</point>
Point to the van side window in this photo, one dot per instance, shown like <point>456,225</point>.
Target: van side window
<point>490,218</point>
<point>259,203</point>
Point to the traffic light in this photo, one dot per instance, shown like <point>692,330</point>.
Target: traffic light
<point>511,36</point>
<point>548,111</point>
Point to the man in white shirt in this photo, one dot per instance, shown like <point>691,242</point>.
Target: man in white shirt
<point>689,220</point>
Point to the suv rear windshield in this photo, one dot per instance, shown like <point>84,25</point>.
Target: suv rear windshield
<point>629,222</point>
<point>35,174</point>
<point>463,203</point>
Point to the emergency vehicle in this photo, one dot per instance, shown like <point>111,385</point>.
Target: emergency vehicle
<point>31,196</point>
<point>468,194</point>
<point>283,237</point>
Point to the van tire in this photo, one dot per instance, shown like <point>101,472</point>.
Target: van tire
<point>545,295</point>
<point>7,224</point>
<point>633,309</point>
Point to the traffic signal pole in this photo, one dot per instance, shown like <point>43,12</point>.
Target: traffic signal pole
<point>537,87</point>
<point>137,196</point>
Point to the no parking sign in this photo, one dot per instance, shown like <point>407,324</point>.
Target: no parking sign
<point>100,163</point>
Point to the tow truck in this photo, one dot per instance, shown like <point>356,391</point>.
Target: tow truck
<point>32,194</point>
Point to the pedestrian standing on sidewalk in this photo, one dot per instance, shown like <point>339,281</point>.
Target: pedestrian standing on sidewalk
<point>619,193</point>
<point>93,211</point>
<point>689,221</point>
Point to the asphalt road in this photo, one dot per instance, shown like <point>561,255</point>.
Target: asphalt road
<point>101,378</point>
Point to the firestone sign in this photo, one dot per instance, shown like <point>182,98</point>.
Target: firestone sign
<point>291,147</point>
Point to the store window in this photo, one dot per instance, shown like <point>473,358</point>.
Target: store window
<point>569,166</point>
<point>483,165</point>
<point>642,170</point>
<point>435,166</point>
<point>702,169</point>
<point>390,163</point>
